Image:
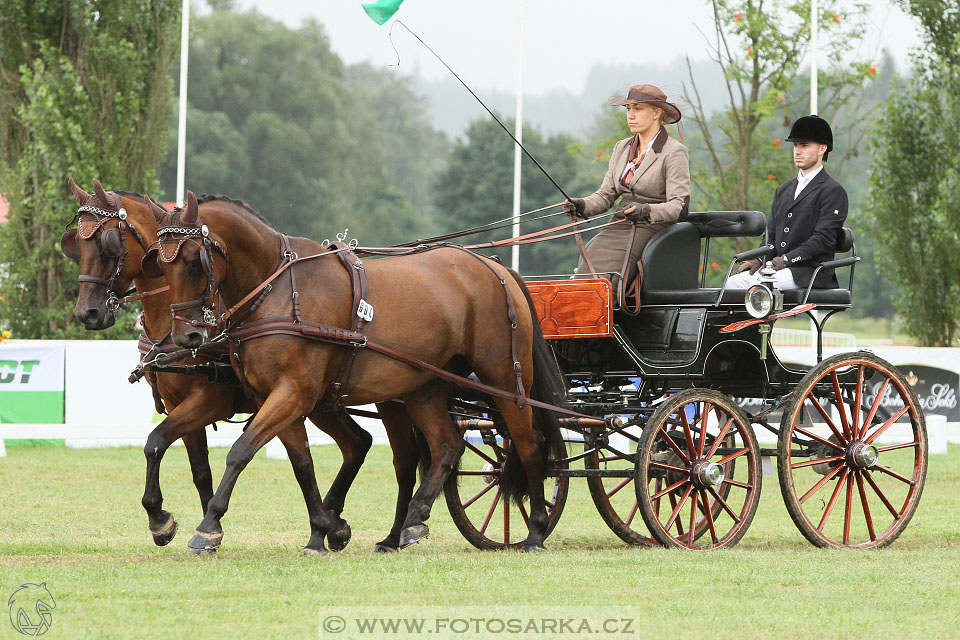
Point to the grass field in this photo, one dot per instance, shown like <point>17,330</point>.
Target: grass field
<point>868,331</point>
<point>72,518</point>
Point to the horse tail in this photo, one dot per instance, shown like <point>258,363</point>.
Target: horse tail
<point>549,387</point>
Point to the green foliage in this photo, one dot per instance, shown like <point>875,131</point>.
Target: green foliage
<point>477,188</point>
<point>84,93</point>
<point>275,119</point>
<point>914,199</point>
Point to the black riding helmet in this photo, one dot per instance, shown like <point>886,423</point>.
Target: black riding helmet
<point>812,129</point>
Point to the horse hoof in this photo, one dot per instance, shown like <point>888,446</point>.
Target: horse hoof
<point>163,535</point>
<point>204,542</point>
<point>414,534</point>
<point>383,547</point>
<point>338,540</point>
<point>532,548</point>
<point>308,552</point>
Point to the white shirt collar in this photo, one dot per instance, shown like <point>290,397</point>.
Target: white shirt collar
<point>804,180</point>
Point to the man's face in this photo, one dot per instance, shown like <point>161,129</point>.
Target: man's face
<point>807,155</point>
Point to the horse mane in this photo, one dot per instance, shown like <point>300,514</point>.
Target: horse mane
<point>206,197</point>
<point>137,195</point>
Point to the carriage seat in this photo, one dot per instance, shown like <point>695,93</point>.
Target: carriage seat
<point>671,262</point>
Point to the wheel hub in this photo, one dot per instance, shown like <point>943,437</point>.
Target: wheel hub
<point>488,472</point>
<point>862,455</point>
<point>707,474</point>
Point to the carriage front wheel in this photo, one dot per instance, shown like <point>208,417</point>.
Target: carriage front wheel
<point>698,471</point>
<point>477,502</point>
<point>852,452</point>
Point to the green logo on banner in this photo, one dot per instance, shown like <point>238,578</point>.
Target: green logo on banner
<point>9,369</point>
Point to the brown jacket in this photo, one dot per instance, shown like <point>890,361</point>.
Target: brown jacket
<point>662,180</point>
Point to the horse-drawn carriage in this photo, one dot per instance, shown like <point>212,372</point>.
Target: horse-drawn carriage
<point>651,417</point>
<point>681,452</point>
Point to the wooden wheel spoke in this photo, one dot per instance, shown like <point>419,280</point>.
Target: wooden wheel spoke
<point>826,417</point>
<point>866,507</point>
<point>886,425</point>
<point>493,507</point>
<point>881,495</point>
<point>810,463</point>
<point>732,456</point>
<point>480,453</point>
<point>603,459</point>
<point>687,434</point>
<point>664,492</point>
<point>847,511</point>
<point>664,465</point>
<point>676,449</point>
<point>620,485</point>
<point>841,408</point>
<point>737,483</point>
<point>676,510</point>
<point>891,447</point>
<point>693,515</point>
<point>824,480</point>
<point>856,403</point>
<point>701,442</point>
<point>819,439</point>
<point>708,514</point>
<point>719,439</point>
<point>633,512</point>
<point>876,405</point>
<point>833,499</point>
<point>656,500</point>
<point>890,472</point>
<point>523,514</point>
<point>723,503</point>
<point>506,521</point>
<point>480,493</point>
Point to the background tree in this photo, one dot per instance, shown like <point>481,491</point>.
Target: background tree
<point>277,120</point>
<point>84,92</point>
<point>915,182</point>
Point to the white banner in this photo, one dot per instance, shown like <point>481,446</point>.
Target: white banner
<point>31,366</point>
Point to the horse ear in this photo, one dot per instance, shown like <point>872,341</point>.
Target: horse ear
<point>78,193</point>
<point>159,213</point>
<point>192,210</point>
<point>101,193</point>
<point>150,264</point>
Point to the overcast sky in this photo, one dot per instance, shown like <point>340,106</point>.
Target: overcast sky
<point>562,39</point>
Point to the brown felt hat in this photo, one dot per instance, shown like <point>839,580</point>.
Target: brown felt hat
<point>649,93</point>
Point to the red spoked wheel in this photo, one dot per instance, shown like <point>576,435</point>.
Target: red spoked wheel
<point>478,504</point>
<point>852,453</point>
<point>698,471</point>
<point>614,495</point>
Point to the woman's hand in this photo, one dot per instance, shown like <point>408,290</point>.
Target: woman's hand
<point>750,265</point>
<point>634,213</point>
<point>575,206</point>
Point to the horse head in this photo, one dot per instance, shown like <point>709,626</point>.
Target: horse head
<point>186,254</point>
<point>111,237</point>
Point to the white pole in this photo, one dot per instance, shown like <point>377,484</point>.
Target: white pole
<point>518,133</point>
<point>814,22</point>
<point>182,130</point>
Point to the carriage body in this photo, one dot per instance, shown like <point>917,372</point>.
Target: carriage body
<point>682,466</point>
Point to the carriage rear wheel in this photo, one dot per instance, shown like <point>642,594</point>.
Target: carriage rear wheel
<point>692,491</point>
<point>852,453</point>
<point>477,502</point>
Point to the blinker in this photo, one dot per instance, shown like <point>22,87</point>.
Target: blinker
<point>70,245</point>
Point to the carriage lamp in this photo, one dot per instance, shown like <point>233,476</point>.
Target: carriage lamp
<point>759,301</point>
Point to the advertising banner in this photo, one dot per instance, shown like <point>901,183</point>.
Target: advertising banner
<point>31,384</point>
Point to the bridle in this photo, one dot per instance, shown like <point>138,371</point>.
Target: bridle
<point>112,244</point>
<point>170,241</point>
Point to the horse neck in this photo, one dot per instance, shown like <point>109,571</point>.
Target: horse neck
<point>252,248</point>
<point>157,322</point>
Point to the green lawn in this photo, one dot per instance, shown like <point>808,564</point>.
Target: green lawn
<point>868,331</point>
<point>73,518</point>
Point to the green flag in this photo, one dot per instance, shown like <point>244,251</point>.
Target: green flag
<point>382,10</point>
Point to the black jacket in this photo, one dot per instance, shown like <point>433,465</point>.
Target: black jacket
<point>805,230</point>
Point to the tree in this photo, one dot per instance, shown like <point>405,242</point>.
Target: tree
<point>915,182</point>
<point>477,188</point>
<point>84,92</point>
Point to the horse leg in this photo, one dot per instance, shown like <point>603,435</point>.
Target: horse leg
<point>282,408</point>
<point>406,456</point>
<point>354,444</point>
<point>188,418</point>
<point>294,439</point>
<point>530,449</point>
<point>428,409</point>
<point>199,456</point>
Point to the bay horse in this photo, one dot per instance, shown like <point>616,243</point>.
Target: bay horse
<point>110,247</point>
<point>445,307</point>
